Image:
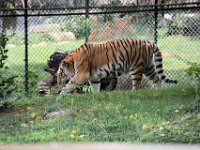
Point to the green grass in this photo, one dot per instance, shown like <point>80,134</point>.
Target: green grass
<point>157,116</point>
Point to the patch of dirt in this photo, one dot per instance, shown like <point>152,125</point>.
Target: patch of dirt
<point>167,55</point>
<point>10,46</point>
<point>41,44</point>
<point>12,111</point>
<point>59,113</point>
<point>62,43</point>
<point>64,36</point>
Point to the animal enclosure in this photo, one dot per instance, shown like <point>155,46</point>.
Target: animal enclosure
<point>36,30</point>
<point>37,34</point>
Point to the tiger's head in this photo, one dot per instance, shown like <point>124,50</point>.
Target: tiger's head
<point>65,71</point>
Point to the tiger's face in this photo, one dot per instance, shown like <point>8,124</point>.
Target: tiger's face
<point>65,72</point>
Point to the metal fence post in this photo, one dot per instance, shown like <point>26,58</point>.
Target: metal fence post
<point>156,21</point>
<point>26,81</point>
<point>86,20</point>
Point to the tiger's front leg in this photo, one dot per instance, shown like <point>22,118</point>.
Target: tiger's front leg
<point>96,85</point>
<point>75,82</point>
<point>68,89</point>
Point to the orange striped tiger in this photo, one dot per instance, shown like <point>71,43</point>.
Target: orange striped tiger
<point>92,62</point>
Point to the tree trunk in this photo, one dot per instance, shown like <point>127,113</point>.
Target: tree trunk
<point>9,22</point>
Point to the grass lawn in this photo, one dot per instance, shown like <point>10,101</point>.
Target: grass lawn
<point>167,115</point>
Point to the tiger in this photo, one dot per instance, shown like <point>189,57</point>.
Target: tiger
<point>92,62</point>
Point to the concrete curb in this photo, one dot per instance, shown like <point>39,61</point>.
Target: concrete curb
<point>101,146</point>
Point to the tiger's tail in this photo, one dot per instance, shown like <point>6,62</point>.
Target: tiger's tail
<point>159,66</point>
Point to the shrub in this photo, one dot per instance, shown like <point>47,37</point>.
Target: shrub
<point>76,24</point>
<point>194,72</point>
<point>184,24</point>
<point>175,25</point>
<point>6,81</point>
<point>192,26</point>
<point>113,4</point>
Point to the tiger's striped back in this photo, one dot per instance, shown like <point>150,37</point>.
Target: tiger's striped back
<point>92,62</point>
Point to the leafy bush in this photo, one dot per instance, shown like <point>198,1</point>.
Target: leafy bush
<point>76,24</point>
<point>194,72</point>
<point>6,81</point>
<point>175,25</point>
<point>185,25</point>
<point>3,50</point>
<point>111,5</point>
<point>192,26</point>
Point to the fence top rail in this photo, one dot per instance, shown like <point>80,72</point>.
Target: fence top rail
<point>111,10</point>
<point>104,7</point>
<point>102,12</point>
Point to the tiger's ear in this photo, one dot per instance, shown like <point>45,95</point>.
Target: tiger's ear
<point>68,61</point>
<point>64,63</point>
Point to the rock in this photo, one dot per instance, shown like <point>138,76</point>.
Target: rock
<point>59,113</point>
<point>24,125</point>
<point>63,36</point>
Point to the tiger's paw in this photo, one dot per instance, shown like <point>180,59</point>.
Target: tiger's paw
<point>69,89</point>
<point>65,92</point>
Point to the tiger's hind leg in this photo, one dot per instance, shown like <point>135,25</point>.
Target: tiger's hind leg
<point>136,78</point>
<point>151,73</point>
<point>96,85</point>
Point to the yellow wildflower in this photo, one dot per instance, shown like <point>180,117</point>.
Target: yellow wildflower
<point>177,110</point>
<point>39,117</point>
<point>131,117</point>
<point>74,131</point>
<point>71,136</point>
<point>28,108</point>
<point>93,120</point>
<point>145,126</point>
<point>136,115</point>
<point>161,128</point>
<point>162,134</point>
<point>33,115</point>
<point>157,94</point>
<point>81,136</point>
<point>167,122</point>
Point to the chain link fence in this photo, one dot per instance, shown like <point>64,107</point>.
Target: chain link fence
<point>65,25</point>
